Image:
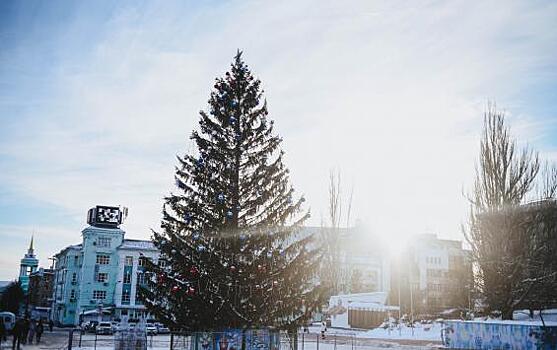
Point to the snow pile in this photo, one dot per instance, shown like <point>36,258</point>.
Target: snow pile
<point>548,315</point>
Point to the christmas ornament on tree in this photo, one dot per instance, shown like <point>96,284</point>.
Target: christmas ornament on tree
<point>220,198</point>
<point>194,271</point>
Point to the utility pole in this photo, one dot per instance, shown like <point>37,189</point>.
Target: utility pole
<point>399,306</point>
<point>411,297</point>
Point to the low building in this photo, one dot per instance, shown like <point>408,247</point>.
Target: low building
<point>432,275</point>
<point>100,277</point>
<point>362,310</point>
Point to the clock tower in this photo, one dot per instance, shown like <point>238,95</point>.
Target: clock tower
<point>27,266</point>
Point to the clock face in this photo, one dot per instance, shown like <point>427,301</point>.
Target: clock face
<point>108,215</point>
<point>105,216</point>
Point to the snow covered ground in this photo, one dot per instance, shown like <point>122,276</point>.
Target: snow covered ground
<point>431,332</point>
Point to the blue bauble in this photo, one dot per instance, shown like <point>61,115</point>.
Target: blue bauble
<point>200,248</point>
<point>229,214</point>
<point>220,197</point>
<point>232,120</point>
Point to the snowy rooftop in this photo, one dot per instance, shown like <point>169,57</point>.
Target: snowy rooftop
<point>371,306</point>
<point>375,297</point>
<point>362,301</point>
<point>137,244</point>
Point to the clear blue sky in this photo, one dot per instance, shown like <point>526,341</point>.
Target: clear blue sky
<point>97,97</point>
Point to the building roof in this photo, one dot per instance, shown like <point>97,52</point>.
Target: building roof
<point>4,284</point>
<point>74,247</point>
<point>137,244</point>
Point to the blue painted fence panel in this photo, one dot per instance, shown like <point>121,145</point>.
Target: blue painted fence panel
<point>499,335</point>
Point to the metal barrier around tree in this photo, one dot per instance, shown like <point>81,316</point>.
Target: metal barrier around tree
<point>227,340</point>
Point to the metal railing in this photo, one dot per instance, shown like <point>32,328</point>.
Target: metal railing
<point>179,341</point>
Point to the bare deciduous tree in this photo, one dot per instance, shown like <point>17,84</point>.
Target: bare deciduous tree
<point>333,274</point>
<point>504,176</point>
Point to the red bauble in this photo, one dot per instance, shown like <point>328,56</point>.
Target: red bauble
<point>232,268</point>
<point>175,289</point>
<point>160,278</point>
<point>191,291</point>
<point>194,271</point>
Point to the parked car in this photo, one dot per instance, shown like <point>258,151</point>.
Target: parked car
<point>162,329</point>
<point>151,329</point>
<point>89,326</point>
<point>104,328</point>
<point>9,320</point>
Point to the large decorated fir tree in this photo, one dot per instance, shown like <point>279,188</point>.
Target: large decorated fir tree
<point>233,252</point>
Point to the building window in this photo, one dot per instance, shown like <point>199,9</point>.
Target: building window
<point>138,300</point>
<point>76,260</point>
<point>141,262</point>
<point>103,259</point>
<point>74,277</point>
<point>103,242</point>
<point>140,278</point>
<point>162,263</point>
<point>127,277</point>
<point>99,294</point>
<point>72,294</point>
<point>129,260</point>
<point>102,277</point>
<point>125,296</point>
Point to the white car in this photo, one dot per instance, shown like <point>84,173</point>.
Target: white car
<point>104,328</point>
<point>162,329</point>
<point>151,329</point>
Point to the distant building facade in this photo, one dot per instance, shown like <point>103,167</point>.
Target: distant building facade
<point>362,263</point>
<point>101,276</point>
<point>27,266</point>
<point>41,287</point>
<point>365,265</point>
<point>433,275</point>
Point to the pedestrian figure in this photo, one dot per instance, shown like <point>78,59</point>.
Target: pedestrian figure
<point>16,333</point>
<point>323,329</point>
<point>39,330</point>
<point>32,329</point>
<point>24,333</point>
<point>3,331</point>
